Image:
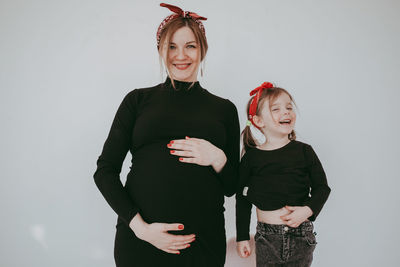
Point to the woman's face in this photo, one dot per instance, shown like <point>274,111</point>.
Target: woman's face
<point>183,55</point>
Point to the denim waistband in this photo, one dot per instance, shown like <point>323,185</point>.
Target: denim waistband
<point>265,228</point>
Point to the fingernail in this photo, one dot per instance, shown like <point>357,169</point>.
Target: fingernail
<point>171,142</point>
<point>187,137</point>
<point>172,151</point>
<point>180,227</point>
<point>188,245</point>
<point>180,159</point>
<point>178,252</point>
<point>169,145</point>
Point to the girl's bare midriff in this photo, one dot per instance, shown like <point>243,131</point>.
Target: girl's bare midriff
<point>272,216</point>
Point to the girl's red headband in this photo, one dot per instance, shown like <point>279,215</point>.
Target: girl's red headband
<point>254,102</point>
<point>179,13</point>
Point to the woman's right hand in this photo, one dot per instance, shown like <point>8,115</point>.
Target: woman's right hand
<point>243,248</point>
<point>157,234</point>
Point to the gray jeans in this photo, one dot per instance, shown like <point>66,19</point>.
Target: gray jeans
<point>281,245</point>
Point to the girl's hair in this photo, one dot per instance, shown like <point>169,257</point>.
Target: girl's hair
<point>270,94</point>
<point>172,27</point>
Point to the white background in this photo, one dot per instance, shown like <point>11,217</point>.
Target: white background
<point>66,65</point>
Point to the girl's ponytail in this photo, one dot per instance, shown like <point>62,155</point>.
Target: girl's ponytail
<point>248,140</point>
<point>247,137</point>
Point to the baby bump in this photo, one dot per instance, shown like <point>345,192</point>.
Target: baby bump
<point>165,188</point>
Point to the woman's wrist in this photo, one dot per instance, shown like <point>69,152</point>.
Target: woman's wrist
<point>220,160</point>
<point>138,226</point>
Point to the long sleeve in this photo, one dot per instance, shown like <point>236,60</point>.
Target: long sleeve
<point>319,184</point>
<point>243,206</point>
<point>229,173</point>
<point>109,164</point>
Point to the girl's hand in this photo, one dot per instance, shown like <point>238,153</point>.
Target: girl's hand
<point>198,151</point>
<point>157,235</point>
<point>297,215</point>
<point>243,248</point>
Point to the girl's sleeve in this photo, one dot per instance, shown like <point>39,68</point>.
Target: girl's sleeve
<point>229,173</point>
<point>319,184</point>
<point>109,163</point>
<point>243,206</point>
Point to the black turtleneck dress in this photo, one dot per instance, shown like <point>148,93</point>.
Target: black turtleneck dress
<point>159,186</point>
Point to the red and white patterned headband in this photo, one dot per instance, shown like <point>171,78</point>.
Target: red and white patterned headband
<point>179,13</point>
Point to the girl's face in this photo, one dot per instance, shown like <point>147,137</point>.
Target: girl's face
<point>183,55</point>
<point>277,118</point>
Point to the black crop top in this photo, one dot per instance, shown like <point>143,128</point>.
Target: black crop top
<point>271,179</point>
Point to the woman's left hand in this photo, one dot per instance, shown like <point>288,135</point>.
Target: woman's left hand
<point>297,215</point>
<point>198,151</point>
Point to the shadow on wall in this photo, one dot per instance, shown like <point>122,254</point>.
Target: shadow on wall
<point>233,259</point>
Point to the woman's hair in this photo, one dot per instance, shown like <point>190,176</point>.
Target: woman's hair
<point>270,94</point>
<point>172,27</point>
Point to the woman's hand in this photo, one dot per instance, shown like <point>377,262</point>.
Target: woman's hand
<point>157,235</point>
<point>297,215</point>
<point>198,151</point>
<point>243,248</point>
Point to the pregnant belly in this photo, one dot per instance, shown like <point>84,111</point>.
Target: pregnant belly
<point>167,190</point>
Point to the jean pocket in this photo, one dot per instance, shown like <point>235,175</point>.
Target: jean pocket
<point>261,235</point>
<point>310,238</point>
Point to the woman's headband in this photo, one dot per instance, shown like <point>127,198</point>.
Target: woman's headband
<point>179,13</point>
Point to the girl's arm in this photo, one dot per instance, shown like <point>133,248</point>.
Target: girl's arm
<point>243,206</point>
<point>319,184</point>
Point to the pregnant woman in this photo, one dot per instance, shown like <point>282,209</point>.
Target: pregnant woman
<point>184,143</point>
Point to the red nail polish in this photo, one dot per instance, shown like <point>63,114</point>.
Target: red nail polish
<point>187,137</point>
<point>180,227</point>
<point>178,253</point>
<point>180,159</point>
<point>188,245</point>
<point>172,151</point>
<point>171,142</point>
<point>169,145</point>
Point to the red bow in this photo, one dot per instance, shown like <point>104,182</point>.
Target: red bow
<point>182,13</point>
<point>254,102</point>
<point>265,85</point>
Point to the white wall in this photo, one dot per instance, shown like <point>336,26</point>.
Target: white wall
<point>66,65</point>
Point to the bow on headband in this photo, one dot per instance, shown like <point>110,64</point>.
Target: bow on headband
<point>254,102</point>
<point>179,13</point>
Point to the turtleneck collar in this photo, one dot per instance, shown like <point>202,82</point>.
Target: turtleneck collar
<point>182,86</point>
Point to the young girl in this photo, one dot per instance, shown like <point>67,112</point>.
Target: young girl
<point>283,178</point>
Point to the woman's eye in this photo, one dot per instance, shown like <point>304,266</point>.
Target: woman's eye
<point>275,109</point>
<point>191,46</point>
<point>172,47</point>
<point>289,108</point>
